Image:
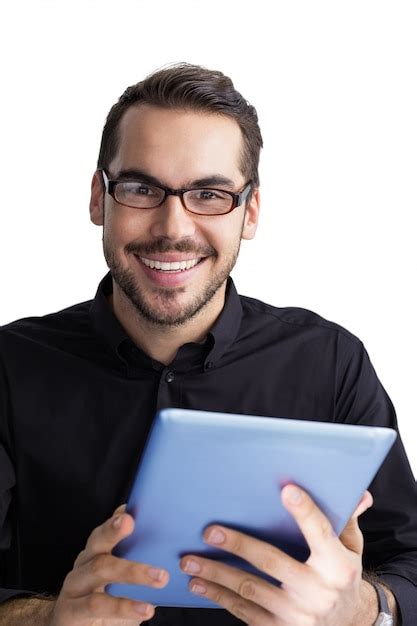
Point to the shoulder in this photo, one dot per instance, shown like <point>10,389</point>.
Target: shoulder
<point>58,326</point>
<point>293,320</point>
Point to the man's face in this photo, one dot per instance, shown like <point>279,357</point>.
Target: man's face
<point>176,148</point>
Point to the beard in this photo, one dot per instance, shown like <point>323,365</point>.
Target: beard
<point>161,307</point>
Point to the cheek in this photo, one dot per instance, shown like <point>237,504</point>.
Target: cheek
<point>122,228</point>
<point>226,235</point>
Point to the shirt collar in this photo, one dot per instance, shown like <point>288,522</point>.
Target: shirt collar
<point>220,338</point>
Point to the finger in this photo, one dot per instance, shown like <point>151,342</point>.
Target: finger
<point>120,509</point>
<point>364,504</point>
<point>103,606</point>
<point>314,525</point>
<point>245,610</point>
<point>351,536</point>
<point>103,569</point>
<point>252,588</point>
<point>105,537</point>
<point>265,557</point>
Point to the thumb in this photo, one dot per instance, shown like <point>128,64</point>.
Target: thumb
<point>120,509</point>
<point>351,535</point>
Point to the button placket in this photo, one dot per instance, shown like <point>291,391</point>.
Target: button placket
<point>169,376</point>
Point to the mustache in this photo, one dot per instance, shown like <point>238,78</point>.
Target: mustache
<point>186,246</point>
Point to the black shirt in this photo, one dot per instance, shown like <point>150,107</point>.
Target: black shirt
<point>77,399</point>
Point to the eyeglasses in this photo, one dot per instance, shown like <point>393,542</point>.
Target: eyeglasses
<point>140,195</point>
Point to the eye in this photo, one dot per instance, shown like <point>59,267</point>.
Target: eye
<point>202,195</point>
<point>139,189</point>
<point>207,195</point>
<point>134,193</point>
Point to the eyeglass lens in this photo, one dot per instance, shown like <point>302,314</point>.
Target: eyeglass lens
<point>143,196</point>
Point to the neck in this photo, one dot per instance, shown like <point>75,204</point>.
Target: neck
<point>162,342</point>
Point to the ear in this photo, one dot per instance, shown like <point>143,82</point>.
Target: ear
<point>97,199</point>
<point>251,215</point>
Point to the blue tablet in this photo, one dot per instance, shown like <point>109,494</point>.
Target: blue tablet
<point>200,468</point>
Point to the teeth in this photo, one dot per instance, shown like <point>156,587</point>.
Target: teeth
<point>170,267</point>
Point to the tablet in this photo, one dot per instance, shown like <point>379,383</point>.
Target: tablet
<point>200,468</point>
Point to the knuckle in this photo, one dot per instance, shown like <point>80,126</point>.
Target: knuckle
<point>212,573</point>
<point>268,564</point>
<point>92,540</point>
<point>100,564</point>
<point>239,610</point>
<point>347,578</point>
<point>134,572</point>
<point>218,596</point>
<point>121,608</point>
<point>247,589</point>
<point>326,604</point>
<point>69,583</point>
<point>237,543</point>
<point>94,604</point>
<point>332,601</point>
<point>325,528</point>
<point>291,571</point>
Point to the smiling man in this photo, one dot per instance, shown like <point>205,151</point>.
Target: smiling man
<point>170,261</point>
<point>175,191</point>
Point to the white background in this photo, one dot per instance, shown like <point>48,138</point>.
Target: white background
<point>334,84</point>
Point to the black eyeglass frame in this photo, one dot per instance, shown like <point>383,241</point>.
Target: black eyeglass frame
<point>237,197</point>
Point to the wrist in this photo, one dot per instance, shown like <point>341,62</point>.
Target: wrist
<point>387,603</point>
<point>26,611</point>
<point>372,601</point>
<point>369,607</point>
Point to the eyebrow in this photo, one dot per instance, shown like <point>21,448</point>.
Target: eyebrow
<point>207,181</point>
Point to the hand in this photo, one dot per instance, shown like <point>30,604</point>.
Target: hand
<point>324,591</point>
<point>83,601</point>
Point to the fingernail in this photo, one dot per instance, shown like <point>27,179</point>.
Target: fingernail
<point>216,536</point>
<point>192,567</point>
<point>117,522</point>
<point>143,609</point>
<point>155,574</point>
<point>294,495</point>
<point>198,588</point>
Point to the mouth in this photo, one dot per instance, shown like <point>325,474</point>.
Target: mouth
<point>170,267</point>
<point>170,271</point>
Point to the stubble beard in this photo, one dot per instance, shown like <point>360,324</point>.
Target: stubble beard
<point>164,311</point>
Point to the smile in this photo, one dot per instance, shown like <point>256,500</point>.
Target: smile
<point>176,266</point>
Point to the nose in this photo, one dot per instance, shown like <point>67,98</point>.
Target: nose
<point>172,220</point>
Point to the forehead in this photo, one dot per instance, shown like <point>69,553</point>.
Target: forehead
<point>177,145</point>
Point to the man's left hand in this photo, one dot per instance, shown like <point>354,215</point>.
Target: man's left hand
<point>327,589</point>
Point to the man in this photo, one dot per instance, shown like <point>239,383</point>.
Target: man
<point>176,190</point>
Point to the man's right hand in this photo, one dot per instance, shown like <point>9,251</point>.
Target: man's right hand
<point>83,601</point>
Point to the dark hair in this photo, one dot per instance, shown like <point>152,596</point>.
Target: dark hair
<point>186,86</point>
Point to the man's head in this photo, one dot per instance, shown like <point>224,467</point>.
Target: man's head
<point>182,127</point>
<point>194,88</point>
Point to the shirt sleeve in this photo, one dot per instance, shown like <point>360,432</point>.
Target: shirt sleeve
<point>7,483</point>
<point>390,526</point>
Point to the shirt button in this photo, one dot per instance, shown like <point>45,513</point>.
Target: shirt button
<point>209,365</point>
<point>170,376</point>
